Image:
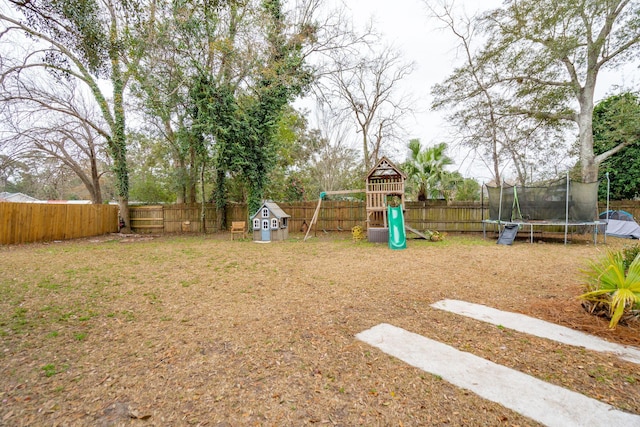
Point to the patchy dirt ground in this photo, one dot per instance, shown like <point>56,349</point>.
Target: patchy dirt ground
<point>193,330</point>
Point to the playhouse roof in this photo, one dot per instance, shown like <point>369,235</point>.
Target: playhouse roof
<point>273,208</point>
<point>385,169</point>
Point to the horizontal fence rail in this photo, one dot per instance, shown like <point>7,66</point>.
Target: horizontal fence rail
<point>42,222</point>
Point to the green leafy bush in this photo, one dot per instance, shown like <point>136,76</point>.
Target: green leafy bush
<point>630,253</point>
<point>615,283</point>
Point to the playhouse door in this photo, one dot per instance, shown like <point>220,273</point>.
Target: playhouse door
<point>266,231</point>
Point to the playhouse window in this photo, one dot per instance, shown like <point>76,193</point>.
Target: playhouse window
<point>265,212</point>
<point>284,223</point>
<point>274,223</point>
<point>256,223</point>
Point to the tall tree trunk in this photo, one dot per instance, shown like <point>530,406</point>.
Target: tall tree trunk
<point>589,167</point>
<point>181,187</point>
<point>203,211</point>
<point>221,199</point>
<point>96,193</point>
<point>119,138</point>
<point>193,176</point>
<point>365,151</point>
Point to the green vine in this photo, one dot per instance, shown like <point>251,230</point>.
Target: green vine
<point>243,127</point>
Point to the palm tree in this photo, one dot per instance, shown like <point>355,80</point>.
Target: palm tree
<point>426,169</point>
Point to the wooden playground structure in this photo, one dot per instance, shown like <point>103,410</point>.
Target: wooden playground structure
<point>384,186</point>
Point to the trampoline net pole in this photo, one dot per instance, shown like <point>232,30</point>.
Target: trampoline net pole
<point>500,205</point>
<point>607,215</point>
<point>566,213</point>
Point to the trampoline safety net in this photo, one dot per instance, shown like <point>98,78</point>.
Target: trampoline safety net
<point>545,202</point>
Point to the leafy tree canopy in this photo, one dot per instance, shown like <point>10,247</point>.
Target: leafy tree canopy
<point>616,122</point>
<point>543,58</point>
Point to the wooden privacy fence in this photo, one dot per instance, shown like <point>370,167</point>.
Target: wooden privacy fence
<point>333,216</point>
<point>172,218</point>
<point>41,222</point>
<point>36,222</point>
<point>458,217</point>
<point>631,206</point>
<point>343,216</point>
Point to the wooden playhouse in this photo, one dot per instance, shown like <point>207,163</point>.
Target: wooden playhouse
<point>384,186</point>
<point>270,223</point>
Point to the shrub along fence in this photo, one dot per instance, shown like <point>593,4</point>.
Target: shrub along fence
<point>41,222</point>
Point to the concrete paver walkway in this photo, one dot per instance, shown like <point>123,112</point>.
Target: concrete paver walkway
<point>537,327</point>
<point>541,401</point>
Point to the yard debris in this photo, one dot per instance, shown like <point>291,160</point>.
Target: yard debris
<point>201,329</point>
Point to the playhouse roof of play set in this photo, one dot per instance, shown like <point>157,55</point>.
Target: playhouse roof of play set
<point>385,169</point>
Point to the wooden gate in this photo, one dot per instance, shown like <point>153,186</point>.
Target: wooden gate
<point>147,219</point>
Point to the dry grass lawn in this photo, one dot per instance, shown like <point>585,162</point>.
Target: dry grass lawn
<point>193,330</point>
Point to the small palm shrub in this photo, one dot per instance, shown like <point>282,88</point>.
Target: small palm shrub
<point>613,283</point>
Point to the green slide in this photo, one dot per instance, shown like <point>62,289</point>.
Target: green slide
<point>397,237</point>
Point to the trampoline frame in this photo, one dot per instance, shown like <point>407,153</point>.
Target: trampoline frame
<point>549,223</point>
<point>533,224</point>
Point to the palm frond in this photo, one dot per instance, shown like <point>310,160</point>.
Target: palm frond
<point>608,282</point>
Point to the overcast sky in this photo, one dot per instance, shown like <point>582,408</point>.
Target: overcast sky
<point>405,23</point>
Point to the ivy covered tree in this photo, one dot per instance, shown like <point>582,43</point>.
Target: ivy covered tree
<point>243,124</point>
<point>194,41</point>
<point>214,84</point>
<point>91,42</point>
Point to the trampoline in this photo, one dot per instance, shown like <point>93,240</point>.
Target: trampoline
<point>560,203</point>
